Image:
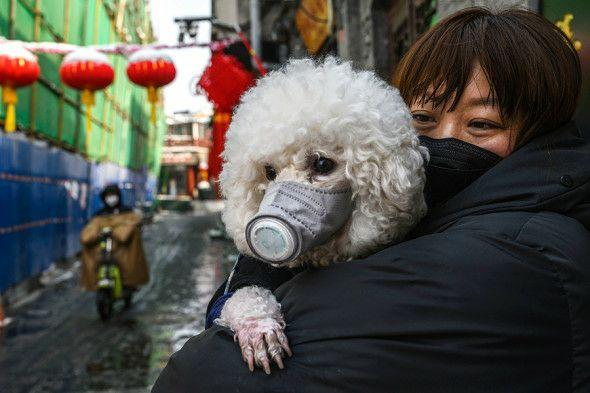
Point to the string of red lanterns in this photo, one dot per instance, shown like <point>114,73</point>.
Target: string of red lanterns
<point>84,69</point>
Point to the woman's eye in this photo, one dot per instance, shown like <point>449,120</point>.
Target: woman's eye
<point>483,125</point>
<point>422,118</point>
<point>323,165</point>
<point>271,174</point>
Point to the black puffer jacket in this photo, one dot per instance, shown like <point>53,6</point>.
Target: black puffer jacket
<point>492,294</point>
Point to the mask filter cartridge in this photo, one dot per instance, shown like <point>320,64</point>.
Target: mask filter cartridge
<point>294,218</point>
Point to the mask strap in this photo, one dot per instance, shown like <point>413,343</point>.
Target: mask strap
<point>231,275</point>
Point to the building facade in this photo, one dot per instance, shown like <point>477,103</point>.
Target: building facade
<point>185,157</point>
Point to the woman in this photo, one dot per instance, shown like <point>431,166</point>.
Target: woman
<point>491,293</point>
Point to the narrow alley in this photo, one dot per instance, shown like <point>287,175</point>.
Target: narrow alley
<point>57,342</point>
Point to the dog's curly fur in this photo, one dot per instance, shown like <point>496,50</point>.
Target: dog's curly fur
<point>349,116</point>
<point>287,121</point>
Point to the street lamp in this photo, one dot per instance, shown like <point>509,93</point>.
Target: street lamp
<point>189,26</point>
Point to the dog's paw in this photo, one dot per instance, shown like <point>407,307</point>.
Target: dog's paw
<point>262,341</point>
<point>254,315</point>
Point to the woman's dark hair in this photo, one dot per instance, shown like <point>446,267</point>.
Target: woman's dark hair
<point>532,67</point>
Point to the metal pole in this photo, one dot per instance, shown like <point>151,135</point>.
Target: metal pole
<point>112,100</point>
<point>36,35</point>
<point>11,19</point>
<point>66,36</point>
<point>119,18</point>
<point>255,26</point>
<point>79,123</point>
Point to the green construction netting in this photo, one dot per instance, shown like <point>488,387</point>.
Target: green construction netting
<point>121,131</point>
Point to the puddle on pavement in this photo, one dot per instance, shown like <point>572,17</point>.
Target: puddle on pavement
<point>125,365</point>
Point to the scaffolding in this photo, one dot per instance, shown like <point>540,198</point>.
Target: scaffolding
<point>48,110</point>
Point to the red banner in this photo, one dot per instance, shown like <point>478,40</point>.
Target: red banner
<point>221,122</point>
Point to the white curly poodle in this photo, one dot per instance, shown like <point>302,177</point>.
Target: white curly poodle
<point>327,126</point>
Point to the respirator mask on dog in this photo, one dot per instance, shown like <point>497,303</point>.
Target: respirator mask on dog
<point>453,165</point>
<point>294,218</point>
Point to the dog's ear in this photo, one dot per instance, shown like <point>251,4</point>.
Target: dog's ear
<point>387,183</point>
<point>425,154</point>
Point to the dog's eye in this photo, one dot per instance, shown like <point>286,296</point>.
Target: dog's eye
<point>271,174</point>
<point>323,165</point>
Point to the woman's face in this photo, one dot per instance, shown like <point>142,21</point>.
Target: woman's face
<point>474,120</point>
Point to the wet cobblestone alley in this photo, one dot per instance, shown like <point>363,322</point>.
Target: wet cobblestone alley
<point>57,342</point>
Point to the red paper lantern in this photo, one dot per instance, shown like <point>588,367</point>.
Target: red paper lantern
<point>225,80</point>
<point>87,70</point>
<point>151,69</point>
<point>18,68</point>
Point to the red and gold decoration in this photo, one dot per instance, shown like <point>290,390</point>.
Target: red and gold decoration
<point>203,175</point>
<point>565,26</point>
<point>151,69</point>
<point>18,68</point>
<point>225,80</point>
<point>314,23</point>
<point>221,122</point>
<point>87,70</point>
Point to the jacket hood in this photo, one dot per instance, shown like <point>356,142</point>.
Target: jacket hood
<point>110,190</point>
<point>550,173</point>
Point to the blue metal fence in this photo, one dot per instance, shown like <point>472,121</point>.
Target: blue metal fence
<point>46,197</point>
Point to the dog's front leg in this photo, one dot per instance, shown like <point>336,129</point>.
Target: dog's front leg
<point>254,315</point>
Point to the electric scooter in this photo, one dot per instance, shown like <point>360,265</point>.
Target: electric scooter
<point>110,284</point>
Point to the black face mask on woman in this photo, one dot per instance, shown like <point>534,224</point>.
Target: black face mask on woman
<point>453,165</point>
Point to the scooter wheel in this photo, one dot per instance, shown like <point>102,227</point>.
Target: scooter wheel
<point>104,304</point>
<point>128,298</point>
